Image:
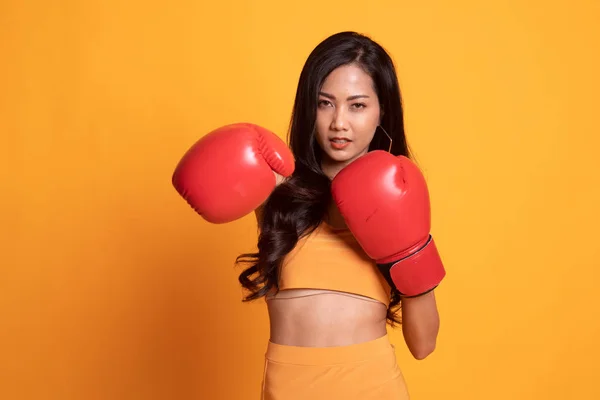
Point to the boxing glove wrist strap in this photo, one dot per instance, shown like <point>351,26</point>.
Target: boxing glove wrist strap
<point>416,274</point>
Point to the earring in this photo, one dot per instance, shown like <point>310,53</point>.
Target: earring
<point>389,137</point>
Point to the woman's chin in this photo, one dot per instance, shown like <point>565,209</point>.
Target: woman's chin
<point>341,156</point>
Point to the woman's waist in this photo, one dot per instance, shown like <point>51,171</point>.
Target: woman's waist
<point>317,318</point>
<point>372,349</point>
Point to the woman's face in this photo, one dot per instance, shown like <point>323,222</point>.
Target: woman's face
<point>348,113</point>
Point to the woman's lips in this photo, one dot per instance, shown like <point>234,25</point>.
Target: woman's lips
<point>339,143</point>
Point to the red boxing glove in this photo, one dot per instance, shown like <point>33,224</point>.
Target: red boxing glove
<point>385,203</point>
<point>228,173</point>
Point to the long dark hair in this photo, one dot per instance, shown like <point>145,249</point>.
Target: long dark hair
<point>299,205</point>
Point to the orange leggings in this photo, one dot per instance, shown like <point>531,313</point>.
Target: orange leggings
<point>361,371</point>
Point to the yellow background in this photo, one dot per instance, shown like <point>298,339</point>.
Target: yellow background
<point>112,288</point>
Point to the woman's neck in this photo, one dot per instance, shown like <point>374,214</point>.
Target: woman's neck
<point>331,168</point>
<point>334,217</point>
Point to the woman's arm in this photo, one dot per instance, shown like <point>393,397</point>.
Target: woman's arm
<point>420,324</point>
<point>258,212</point>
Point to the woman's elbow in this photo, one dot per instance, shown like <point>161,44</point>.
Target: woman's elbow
<point>420,342</point>
<point>422,350</point>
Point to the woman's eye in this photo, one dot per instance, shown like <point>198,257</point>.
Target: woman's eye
<point>323,103</point>
<point>359,105</point>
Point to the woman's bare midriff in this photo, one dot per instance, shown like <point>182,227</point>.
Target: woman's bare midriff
<point>322,318</point>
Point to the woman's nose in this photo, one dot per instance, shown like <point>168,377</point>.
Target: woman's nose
<point>339,122</point>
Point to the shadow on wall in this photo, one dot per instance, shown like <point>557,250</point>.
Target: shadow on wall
<point>202,335</point>
<point>179,329</point>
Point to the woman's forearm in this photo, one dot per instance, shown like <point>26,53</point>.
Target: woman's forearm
<point>420,324</point>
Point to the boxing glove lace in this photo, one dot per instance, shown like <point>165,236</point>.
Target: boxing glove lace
<point>228,173</point>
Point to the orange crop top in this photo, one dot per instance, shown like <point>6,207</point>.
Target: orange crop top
<point>332,259</point>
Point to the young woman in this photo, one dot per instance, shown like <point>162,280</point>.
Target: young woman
<point>343,218</point>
